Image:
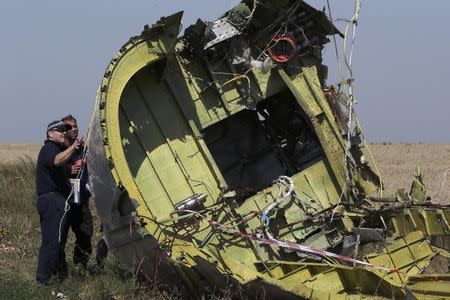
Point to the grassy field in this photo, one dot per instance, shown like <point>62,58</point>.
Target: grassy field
<point>20,235</point>
<point>12,153</point>
<point>396,163</point>
<point>20,239</point>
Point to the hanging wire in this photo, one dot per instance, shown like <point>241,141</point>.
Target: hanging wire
<point>346,78</point>
<point>289,187</point>
<point>350,84</point>
<point>80,172</point>
<point>353,22</point>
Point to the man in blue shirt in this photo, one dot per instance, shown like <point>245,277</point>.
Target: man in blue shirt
<point>53,188</point>
<point>80,215</point>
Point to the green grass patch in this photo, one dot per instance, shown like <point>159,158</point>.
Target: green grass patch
<point>20,239</point>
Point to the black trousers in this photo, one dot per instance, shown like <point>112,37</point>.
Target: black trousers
<point>54,228</point>
<point>81,224</point>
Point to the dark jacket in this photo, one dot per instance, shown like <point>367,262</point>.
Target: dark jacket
<point>50,178</point>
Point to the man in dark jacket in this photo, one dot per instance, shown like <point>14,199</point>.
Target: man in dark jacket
<point>53,188</point>
<point>80,215</point>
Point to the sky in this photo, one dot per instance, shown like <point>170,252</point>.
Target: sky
<point>53,55</point>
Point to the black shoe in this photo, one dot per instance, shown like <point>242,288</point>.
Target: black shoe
<point>101,253</point>
<point>40,284</point>
<point>52,280</point>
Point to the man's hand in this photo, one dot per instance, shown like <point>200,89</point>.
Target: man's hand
<point>75,169</point>
<point>78,143</point>
<point>64,156</point>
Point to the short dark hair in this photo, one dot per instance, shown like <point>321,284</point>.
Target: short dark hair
<point>69,117</point>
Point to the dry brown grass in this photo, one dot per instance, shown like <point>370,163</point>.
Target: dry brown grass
<point>396,162</point>
<point>10,153</point>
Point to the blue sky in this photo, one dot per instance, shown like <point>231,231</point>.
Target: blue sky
<point>53,54</point>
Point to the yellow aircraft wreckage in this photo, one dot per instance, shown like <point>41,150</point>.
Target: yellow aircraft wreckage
<point>221,159</point>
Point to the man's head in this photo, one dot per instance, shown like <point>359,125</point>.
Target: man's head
<point>56,131</point>
<point>72,132</point>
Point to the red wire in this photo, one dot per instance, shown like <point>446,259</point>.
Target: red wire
<point>282,58</point>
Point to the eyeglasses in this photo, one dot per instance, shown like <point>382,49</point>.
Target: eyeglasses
<point>60,130</point>
<point>69,127</point>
